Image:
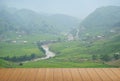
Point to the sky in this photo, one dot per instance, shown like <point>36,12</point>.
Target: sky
<point>76,8</point>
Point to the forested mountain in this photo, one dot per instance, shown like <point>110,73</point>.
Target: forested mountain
<point>102,21</point>
<point>23,33</point>
<point>63,22</point>
<point>12,19</point>
<point>101,32</point>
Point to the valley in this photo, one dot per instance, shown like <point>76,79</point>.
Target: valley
<point>48,54</point>
<point>32,40</point>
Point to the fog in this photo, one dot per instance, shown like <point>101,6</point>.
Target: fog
<point>76,8</point>
<point>59,33</point>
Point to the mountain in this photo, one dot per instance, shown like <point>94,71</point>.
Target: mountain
<point>12,19</point>
<point>100,31</point>
<point>102,21</point>
<point>63,22</point>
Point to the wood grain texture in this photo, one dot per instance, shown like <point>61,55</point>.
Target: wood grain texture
<point>60,74</point>
<point>103,75</point>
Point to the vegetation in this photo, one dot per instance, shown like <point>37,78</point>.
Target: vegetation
<point>22,31</point>
<point>62,64</point>
<point>6,64</point>
<point>102,22</point>
<point>20,58</point>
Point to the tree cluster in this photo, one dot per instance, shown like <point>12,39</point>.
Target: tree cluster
<point>106,57</point>
<point>20,59</point>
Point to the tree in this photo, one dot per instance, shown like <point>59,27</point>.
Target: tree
<point>94,57</point>
<point>59,39</point>
<point>105,57</point>
<point>33,56</point>
<point>20,64</point>
<point>7,58</point>
<point>116,56</point>
<point>14,59</point>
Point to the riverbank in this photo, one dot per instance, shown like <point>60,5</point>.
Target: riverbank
<point>48,54</point>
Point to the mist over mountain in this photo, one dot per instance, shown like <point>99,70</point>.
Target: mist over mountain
<point>102,21</point>
<point>12,19</point>
<point>32,38</point>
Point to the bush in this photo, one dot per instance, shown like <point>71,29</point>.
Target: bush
<point>20,64</point>
<point>116,56</point>
<point>105,57</point>
<point>94,57</point>
<point>21,58</point>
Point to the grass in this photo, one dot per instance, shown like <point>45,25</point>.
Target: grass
<point>9,49</point>
<point>6,64</point>
<point>51,63</point>
<point>115,63</point>
<point>73,49</point>
<point>19,49</point>
<point>72,54</point>
<point>68,54</point>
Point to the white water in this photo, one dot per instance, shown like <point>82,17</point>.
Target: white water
<point>77,34</point>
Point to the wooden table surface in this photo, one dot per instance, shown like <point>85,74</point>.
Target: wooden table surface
<point>59,74</point>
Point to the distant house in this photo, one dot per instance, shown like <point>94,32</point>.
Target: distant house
<point>70,37</point>
<point>112,31</point>
<point>19,35</point>
<point>14,41</point>
<point>25,41</point>
<point>100,36</point>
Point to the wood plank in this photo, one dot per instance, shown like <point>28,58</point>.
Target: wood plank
<point>116,71</point>
<point>76,75</point>
<point>84,74</point>
<point>49,74</point>
<point>94,76</point>
<point>41,75</point>
<point>31,74</point>
<point>103,75</point>
<point>23,75</point>
<point>17,74</point>
<point>58,74</point>
<point>67,75</point>
<point>7,75</point>
<point>111,74</point>
<point>14,75</point>
<point>3,72</point>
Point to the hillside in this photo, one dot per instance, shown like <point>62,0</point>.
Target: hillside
<point>100,31</point>
<point>101,25</point>
<point>102,21</point>
<point>12,19</point>
<point>95,43</point>
<point>7,64</point>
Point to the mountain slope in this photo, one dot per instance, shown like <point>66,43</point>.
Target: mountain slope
<point>102,20</point>
<point>63,22</point>
<point>100,31</point>
<point>12,19</point>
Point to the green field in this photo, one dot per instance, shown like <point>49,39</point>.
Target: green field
<point>8,49</point>
<point>20,48</point>
<point>93,41</point>
<point>55,63</point>
<point>68,53</point>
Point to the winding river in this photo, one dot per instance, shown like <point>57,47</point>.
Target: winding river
<point>48,54</point>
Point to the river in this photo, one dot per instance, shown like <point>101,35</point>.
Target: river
<point>48,54</point>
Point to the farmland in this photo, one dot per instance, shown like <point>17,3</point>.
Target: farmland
<point>68,41</point>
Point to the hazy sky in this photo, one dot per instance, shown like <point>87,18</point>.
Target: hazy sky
<point>77,8</point>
